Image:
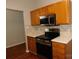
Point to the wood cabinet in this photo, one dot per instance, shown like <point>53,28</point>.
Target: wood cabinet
<point>35,18</point>
<point>31,44</point>
<point>35,15</point>
<point>51,9</point>
<point>61,51</point>
<point>43,11</point>
<point>62,10</point>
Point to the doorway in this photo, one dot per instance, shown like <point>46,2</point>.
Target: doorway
<point>14,27</point>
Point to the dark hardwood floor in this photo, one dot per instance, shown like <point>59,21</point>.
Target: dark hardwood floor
<point>18,52</point>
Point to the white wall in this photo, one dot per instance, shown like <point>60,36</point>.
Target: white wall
<point>23,5</point>
<point>39,3</point>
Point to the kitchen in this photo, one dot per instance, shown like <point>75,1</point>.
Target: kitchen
<point>61,44</point>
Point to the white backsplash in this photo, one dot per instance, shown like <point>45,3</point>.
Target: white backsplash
<point>41,29</point>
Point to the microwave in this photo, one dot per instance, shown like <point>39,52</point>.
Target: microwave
<point>48,20</point>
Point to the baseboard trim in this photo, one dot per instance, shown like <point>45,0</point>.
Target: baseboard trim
<point>15,44</point>
<point>27,51</point>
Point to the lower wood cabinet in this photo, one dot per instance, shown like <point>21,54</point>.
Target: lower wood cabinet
<point>31,44</point>
<point>61,51</point>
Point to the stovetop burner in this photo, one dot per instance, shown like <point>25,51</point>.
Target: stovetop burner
<point>43,37</point>
<point>53,33</point>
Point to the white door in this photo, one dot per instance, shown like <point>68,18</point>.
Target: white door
<point>14,27</point>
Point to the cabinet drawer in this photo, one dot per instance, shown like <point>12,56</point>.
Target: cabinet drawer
<point>58,50</point>
<point>58,45</point>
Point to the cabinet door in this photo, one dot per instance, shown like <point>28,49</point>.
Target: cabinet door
<point>51,9</point>
<point>69,10</point>
<point>62,12</point>
<point>35,15</point>
<point>58,50</point>
<point>35,18</point>
<point>31,44</point>
<point>43,11</point>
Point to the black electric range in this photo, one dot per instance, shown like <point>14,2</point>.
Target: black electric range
<point>43,44</point>
<point>49,35</point>
<point>44,47</point>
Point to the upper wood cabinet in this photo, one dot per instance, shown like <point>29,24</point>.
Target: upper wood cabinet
<point>35,18</point>
<point>43,11</point>
<point>62,10</point>
<point>35,15</point>
<point>51,9</point>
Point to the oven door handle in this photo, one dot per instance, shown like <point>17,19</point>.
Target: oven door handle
<point>43,43</point>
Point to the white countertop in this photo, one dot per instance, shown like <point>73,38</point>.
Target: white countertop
<point>34,34</point>
<point>64,37</point>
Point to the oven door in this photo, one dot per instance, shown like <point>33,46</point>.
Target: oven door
<point>44,49</point>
